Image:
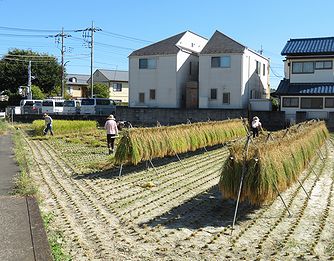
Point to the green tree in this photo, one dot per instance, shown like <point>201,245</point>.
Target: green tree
<point>45,70</point>
<point>100,90</point>
<point>37,93</point>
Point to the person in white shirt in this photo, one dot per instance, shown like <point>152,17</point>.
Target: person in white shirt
<point>112,132</point>
<point>48,124</point>
<point>256,125</point>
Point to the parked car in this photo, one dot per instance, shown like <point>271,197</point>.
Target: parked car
<point>31,106</point>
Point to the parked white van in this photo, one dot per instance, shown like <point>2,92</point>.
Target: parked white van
<point>98,106</point>
<point>71,107</point>
<point>52,106</point>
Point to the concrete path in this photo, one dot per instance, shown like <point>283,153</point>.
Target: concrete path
<point>22,233</point>
<point>8,166</point>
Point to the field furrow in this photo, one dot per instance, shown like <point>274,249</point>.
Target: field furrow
<point>174,211</point>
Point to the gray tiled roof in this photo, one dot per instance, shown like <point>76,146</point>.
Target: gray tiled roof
<point>115,75</point>
<point>81,78</point>
<point>323,45</point>
<point>167,46</point>
<point>287,88</point>
<point>220,43</point>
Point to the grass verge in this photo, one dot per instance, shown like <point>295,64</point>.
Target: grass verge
<point>24,185</point>
<point>3,126</point>
<point>56,239</point>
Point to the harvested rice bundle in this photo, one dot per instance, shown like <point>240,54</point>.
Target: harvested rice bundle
<point>271,164</point>
<point>139,144</point>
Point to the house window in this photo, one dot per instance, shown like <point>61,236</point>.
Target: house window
<point>264,70</point>
<point>117,87</point>
<point>302,67</point>
<point>311,103</point>
<point>221,62</point>
<point>213,94</point>
<point>323,65</point>
<point>258,68</point>
<point>73,79</point>
<point>329,102</point>
<point>152,94</point>
<point>145,63</point>
<point>290,102</point>
<point>141,97</point>
<point>254,94</point>
<point>226,98</point>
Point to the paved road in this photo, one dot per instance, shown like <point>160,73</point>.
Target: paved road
<point>8,166</point>
<point>22,235</point>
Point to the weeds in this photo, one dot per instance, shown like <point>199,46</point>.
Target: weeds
<point>23,183</point>
<point>3,126</point>
<point>56,239</point>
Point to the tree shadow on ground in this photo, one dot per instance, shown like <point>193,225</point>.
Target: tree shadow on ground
<point>128,169</point>
<point>207,209</point>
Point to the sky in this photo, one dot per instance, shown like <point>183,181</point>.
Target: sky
<point>126,25</point>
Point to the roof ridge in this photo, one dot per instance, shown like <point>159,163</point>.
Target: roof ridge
<point>231,38</point>
<point>112,70</point>
<point>313,38</point>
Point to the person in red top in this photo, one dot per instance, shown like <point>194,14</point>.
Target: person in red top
<point>112,132</point>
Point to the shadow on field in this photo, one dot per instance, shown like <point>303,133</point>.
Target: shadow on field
<point>145,165</point>
<point>206,209</point>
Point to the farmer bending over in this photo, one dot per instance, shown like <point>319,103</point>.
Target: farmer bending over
<point>48,124</point>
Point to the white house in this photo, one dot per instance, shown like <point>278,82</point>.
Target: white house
<point>116,80</point>
<point>159,73</point>
<point>230,75</point>
<point>308,83</point>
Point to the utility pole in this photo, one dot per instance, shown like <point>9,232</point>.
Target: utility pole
<point>29,92</point>
<point>61,36</point>
<point>62,64</point>
<point>89,33</point>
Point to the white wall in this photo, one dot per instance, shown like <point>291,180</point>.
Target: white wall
<point>252,81</point>
<point>238,80</point>
<point>318,75</point>
<point>222,79</point>
<point>162,79</point>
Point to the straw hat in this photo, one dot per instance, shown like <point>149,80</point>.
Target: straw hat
<point>111,117</point>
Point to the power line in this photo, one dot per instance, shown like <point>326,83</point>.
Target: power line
<point>31,30</point>
<point>275,73</point>
<point>125,37</point>
<point>33,61</point>
<point>24,35</point>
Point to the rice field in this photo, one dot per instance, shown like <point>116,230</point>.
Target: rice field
<point>174,210</point>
